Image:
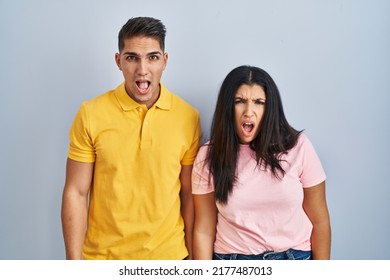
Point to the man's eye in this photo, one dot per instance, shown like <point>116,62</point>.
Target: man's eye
<point>153,57</point>
<point>131,57</point>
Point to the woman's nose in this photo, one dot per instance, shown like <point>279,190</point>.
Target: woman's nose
<point>248,113</point>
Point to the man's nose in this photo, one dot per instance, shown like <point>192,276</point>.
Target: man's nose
<point>142,67</point>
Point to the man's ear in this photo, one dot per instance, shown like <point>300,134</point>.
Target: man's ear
<point>118,60</point>
<point>165,59</point>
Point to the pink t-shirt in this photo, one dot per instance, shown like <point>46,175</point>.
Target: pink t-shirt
<point>263,213</point>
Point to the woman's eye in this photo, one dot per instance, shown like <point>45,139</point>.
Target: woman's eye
<point>259,101</point>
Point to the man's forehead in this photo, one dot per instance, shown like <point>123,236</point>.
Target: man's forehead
<point>142,45</point>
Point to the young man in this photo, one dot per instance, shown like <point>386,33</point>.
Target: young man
<point>130,161</point>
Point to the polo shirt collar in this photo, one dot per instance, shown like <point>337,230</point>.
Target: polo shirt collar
<point>164,102</point>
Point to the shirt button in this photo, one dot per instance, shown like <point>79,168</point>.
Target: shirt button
<point>140,109</point>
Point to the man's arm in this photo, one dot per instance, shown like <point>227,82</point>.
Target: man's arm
<point>187,206</point>
<point>75,206</point>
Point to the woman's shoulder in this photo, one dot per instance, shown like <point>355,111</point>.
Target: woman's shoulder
<point>204,148</point>
<point>200,161</point>
<point>303,143</point>
<point>302,139</point>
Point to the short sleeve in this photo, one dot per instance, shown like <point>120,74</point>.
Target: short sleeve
<point>312,172</point>
<point>81,147</point>
<point>191,153</point>
<point>202,183</point>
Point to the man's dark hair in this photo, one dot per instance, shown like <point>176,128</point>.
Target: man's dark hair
<point>142,26</point>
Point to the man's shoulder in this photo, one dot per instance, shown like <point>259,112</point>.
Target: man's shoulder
<point>179,103</point>
<point>100,100</point>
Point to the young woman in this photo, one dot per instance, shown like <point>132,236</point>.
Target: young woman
<point>258,184</point>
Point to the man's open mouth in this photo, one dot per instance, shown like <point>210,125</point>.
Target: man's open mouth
<point>143,86</point>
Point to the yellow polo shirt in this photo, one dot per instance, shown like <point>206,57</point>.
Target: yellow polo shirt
<point>134,208</point>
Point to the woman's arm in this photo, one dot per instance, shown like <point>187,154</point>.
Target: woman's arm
<point>204,226</point>
<point>315,206</point>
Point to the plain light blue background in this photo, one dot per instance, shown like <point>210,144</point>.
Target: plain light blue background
<point>330,59</point>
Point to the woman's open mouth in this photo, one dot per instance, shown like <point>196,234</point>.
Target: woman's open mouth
<point>247,128</point>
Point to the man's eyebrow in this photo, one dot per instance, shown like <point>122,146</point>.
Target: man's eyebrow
<point>138,55</point>
<point>154,53</point>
